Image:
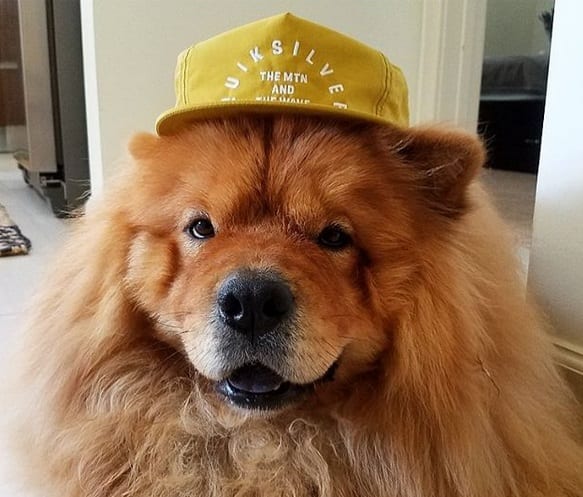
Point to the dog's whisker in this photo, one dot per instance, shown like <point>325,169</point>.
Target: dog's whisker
<point>174,328</point>
<point>167,324</point>
<point>176,313</point>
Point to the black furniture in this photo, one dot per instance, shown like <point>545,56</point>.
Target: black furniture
<point>511,111</point>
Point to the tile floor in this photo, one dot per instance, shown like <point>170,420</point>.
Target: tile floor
<point>513,194</point>
<point>19,275</point>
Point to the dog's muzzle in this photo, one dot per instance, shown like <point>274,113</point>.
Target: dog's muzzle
<point>255,310</point>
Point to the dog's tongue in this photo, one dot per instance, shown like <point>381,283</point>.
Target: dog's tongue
<point>255,378</point>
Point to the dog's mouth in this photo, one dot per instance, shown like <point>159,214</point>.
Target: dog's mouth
<point>257,387</point>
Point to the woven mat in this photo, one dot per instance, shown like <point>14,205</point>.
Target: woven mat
<point>12,241</point>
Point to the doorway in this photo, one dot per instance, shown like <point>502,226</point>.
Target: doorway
<point>512,101</point>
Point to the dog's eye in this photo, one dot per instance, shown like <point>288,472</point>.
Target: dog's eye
<point>201,228</point>
<point>333,237</point>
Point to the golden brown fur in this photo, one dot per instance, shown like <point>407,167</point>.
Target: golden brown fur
<point>445,388</point>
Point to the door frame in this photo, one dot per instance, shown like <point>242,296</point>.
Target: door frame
<point>450,62</point>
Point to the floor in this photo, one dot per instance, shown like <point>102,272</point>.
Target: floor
<point>513,194</point>
<point>19,275</point>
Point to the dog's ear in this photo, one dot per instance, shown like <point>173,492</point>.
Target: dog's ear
<point>143,145</point>
<point>443,163</point>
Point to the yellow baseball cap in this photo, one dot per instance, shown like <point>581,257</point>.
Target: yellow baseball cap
<point>285,64</point>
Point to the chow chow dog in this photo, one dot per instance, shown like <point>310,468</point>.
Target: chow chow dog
<point>269,306</point>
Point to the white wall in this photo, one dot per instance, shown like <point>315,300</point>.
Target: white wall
<point>556,267</point>
<point>513,28</point>
<point>130,49</point>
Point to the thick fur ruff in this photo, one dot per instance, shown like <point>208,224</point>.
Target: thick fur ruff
<point>458,395</point>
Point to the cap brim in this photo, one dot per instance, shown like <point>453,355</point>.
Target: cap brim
<point>174,120</point>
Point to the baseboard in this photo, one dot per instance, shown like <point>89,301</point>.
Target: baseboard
<point>570,357</point>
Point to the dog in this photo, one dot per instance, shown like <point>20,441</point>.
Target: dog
<point>275,305</point>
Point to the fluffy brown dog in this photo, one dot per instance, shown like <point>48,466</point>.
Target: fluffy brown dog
<point>281,306</point>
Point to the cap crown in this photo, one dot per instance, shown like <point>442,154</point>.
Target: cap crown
<point>285,64</point>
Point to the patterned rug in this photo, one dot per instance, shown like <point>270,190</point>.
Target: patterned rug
<point>12,241</point>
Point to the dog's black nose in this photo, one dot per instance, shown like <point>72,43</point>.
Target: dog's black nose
<point>254,303</point>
